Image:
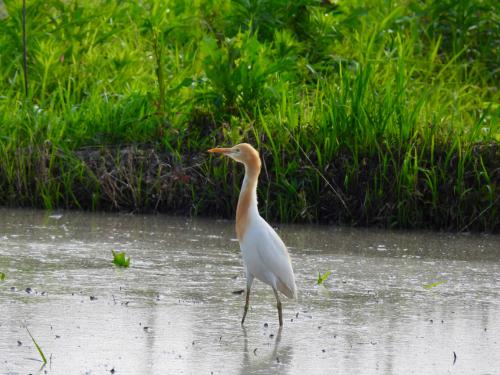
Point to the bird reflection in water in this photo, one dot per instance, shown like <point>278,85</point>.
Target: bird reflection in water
<point>258,361</point>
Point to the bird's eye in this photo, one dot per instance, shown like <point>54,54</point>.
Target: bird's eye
<point>237,150</point>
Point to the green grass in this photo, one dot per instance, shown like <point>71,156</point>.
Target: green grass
<point>38,348</point>
<point>433,285</point>
<point>120,259</point>
<point>364,112</point>
<point>322,277</point>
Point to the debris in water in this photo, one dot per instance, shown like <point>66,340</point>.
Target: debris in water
<point>28,290</point>
<point>255,351</point>
<point>19,343</point>
<point>240,291</point>
<point>454,357</point>
<point>112,370</point>
<point>93,298</point>
<point>266,325</point>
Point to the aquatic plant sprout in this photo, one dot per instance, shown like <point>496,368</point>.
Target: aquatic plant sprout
<point>120,260</point>
<point>38,348</point>
<point>433,285</point>
<point>322,277</point>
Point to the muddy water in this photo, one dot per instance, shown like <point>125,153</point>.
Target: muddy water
<point>174,311</point>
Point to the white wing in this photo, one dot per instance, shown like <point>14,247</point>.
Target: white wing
<point>266,257</point>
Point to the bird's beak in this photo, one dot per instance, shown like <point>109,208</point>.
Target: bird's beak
<point>223,151</point>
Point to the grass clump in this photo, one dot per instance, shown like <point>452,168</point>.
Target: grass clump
<point>374,113</point>
<point>120,259</point>
<point>322,277</point>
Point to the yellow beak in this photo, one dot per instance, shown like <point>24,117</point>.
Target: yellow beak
<point>223,151</point>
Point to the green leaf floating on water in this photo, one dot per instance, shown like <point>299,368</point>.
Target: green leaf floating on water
<point>430,286</point>
<point>120,260</point>
<point>322,278</point>
<point>2,276</point>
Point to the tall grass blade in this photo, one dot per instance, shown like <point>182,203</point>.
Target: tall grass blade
<point>25,50</point>
<point>37,347</point>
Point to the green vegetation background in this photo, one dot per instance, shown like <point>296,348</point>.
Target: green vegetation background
<point>365,112</point>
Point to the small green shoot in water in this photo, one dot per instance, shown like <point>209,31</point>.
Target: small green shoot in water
<point>120,260</point>
<point>37,347</point>
<point>2,276</point>
<point>322,278</point>
<point>430,286</point>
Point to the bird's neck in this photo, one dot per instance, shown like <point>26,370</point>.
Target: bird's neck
<point>247,202</point>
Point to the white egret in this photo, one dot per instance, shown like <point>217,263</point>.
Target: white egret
<point>264,254</point>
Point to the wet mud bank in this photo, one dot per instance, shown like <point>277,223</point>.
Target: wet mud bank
<point>437,189</point>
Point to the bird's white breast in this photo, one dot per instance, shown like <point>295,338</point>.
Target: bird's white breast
<point>265,255</point>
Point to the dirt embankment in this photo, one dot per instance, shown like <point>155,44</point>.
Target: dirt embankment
<point>455,196</point>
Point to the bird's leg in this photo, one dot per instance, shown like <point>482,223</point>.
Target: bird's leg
<point>247,298</point>
<point>278,305</point>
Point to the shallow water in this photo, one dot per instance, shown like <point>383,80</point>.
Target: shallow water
<point>174,311</point>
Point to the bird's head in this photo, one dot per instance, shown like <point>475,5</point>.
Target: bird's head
<point>243,153</point>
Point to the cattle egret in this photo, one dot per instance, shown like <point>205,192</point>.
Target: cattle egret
<point>264,254</point>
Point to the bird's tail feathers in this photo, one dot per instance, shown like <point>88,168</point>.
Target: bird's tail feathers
<point>288,289</point>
